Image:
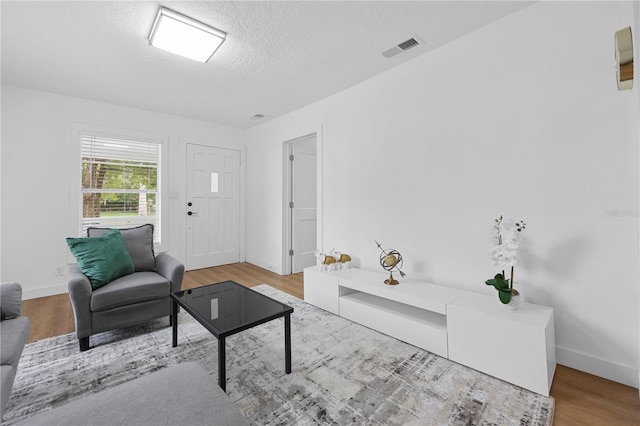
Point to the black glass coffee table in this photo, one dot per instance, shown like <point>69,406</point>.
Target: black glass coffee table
<point>228,308</point>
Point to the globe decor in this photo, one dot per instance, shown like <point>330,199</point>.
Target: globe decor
<point>389,260</point>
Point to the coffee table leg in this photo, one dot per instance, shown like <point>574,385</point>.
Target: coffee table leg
<point>287,343</point>
<point>174,321</point>
<point>222,371</point>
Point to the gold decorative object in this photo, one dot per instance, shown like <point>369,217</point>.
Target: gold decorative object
<point>329,260</point>
<point>389,260</point>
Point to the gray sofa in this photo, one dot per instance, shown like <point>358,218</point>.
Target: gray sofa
<point>14,332</point>
<point>184,394</point>
<point>129,300</point>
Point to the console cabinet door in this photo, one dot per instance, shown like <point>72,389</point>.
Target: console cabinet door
<point>515,346</point>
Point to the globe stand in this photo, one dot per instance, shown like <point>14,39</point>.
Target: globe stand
<point>391,280</point>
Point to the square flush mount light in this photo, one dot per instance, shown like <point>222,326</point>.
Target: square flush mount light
<point>184,36</point>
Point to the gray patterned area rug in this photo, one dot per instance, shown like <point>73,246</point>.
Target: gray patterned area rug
<point>343,374</point>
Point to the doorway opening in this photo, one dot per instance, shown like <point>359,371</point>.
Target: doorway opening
<point>301,203</point>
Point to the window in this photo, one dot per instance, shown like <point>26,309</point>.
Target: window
<point>214,182</point>
<point>120,183</point>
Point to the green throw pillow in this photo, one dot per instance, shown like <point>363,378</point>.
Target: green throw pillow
<point>102,259</point>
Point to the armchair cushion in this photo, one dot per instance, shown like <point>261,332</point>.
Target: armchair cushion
<point>102,259</point>
<point>134,288</point>
<point>139,242</point>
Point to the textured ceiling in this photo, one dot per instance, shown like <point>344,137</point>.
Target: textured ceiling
<point>278,57</point>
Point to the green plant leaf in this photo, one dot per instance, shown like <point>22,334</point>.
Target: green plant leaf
<point>498,282</point>
<point>504,296</point>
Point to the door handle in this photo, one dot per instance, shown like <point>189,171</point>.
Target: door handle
<point>190,213</point>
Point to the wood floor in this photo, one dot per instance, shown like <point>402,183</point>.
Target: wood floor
<point>581,399</point>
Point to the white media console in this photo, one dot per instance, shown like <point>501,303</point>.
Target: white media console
<point>470,328</point>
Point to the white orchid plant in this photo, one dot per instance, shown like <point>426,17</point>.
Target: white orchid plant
<point>505,240</point>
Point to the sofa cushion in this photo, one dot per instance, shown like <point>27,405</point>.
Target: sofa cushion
<point>7,374</point>
<point>10,300</point>
<point>13,336</point>
<point>184,394</point>
<point>102,259</point>
<point>139,242</point>
<point>134,288</point>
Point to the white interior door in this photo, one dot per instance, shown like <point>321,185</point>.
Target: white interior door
<point>213,206</point>
<point>304,204</point>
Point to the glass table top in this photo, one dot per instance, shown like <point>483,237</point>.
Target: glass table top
<point>227,308</point>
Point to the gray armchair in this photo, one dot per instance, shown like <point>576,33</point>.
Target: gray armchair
<point>14,332</point>
<point>129,300</point>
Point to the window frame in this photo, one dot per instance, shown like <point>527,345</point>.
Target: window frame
<point>75,176</point>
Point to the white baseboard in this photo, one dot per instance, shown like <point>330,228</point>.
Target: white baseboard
<point>599,367</point>
<point>52,290</point>
<point>263,265</point>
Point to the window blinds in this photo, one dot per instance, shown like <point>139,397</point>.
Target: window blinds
<point>120,183</point>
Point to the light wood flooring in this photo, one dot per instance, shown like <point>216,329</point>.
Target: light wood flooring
<point>581,398</point>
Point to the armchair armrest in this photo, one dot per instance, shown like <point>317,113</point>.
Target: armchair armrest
<point>80,296</point>
<point>10,300</point>
<point>170,268</point>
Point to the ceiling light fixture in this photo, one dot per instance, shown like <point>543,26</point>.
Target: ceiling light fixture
<point>184,36</point>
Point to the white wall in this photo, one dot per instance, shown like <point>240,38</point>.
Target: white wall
<point>265,201</point>
<point>520,118</point>
<point>36,132</point>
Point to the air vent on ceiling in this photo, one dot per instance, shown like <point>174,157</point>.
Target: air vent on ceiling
<point>402,47</point>
<point>408,44</point>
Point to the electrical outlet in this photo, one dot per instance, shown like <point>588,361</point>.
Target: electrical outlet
<point>58,271</point>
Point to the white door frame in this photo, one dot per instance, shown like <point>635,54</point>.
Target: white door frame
<point>286,197</point>
<point>184,208</point>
